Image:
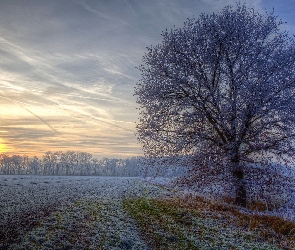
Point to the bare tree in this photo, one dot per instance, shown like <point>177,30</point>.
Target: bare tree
<point>220,90</point>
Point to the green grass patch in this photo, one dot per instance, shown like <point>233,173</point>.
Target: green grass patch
<point>159,224</point>
<point>165,224</point>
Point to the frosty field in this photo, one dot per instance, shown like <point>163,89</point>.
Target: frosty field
<point>82,212</point>
<point>68,212</point>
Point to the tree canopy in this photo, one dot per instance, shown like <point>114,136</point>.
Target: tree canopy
<point>220,90</point>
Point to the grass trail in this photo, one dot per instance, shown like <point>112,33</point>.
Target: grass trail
<point>179,224</point>
<point>121,213</point>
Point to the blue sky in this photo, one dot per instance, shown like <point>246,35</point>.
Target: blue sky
<point>67,68</point>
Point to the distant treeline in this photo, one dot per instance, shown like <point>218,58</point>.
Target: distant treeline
<point>70,163</point>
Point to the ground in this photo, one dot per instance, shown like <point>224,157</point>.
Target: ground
<point>46,212</point>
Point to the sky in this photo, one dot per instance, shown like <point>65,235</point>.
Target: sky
<point>68,69</point>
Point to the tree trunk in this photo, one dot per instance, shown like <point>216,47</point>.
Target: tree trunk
<point>241,195</point>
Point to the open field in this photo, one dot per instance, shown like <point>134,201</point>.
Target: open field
<point>67,212</point>
<point>46,212</point>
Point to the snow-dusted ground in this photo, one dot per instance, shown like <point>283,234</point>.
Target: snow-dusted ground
<point>75,212</point>
<point>40,209</point>
<point>21,192</point>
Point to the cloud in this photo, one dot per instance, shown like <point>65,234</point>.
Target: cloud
<point>67,68</point>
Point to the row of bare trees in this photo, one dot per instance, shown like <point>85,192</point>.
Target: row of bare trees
<point>69,163</point>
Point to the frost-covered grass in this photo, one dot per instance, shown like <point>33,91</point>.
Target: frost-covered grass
<point>66,212</point>
<point>276,205</point>
<point>38,212</point>
<point>199,224</point>
<point>85,224</point>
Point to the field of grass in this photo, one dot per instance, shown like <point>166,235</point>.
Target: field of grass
<point>126,213</point>
<point>68,212</point>
<point>196,223</point>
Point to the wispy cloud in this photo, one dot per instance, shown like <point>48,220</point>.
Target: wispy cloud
<point>67,69</point>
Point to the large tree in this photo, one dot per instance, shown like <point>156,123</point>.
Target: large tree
<point>220,90</point>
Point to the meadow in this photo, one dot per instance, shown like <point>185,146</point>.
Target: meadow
<point>82,212</point>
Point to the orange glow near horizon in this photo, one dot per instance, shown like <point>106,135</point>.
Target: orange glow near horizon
<point>3,147</point>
